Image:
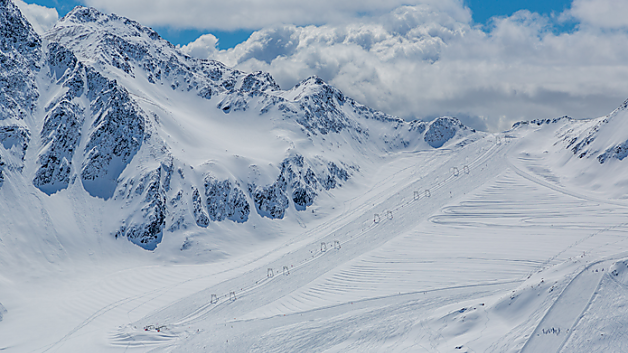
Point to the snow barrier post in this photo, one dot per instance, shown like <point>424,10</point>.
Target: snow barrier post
<point>286,271</point>
<point>270,273</point>
<point>323,247</point>
<point>232,296</point>
<point>376,218</point>
<point>213,299</point>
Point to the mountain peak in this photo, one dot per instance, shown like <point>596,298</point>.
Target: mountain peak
<point>315,85</point>
<point>124,108</point>
<point>122,26</point>
<point>15,31</point>
<point>82,14</point>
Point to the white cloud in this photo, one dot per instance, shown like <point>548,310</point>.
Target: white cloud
<point>255,14</point>
<point>425,61</point>
<point>203,47</point>
<point>41,18</point>
<point>420,58</point>
<point>605,14</point>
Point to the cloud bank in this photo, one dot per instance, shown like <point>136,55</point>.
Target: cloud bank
<point>605,14</point>
<point>253,14</point>
<point>422,58</point>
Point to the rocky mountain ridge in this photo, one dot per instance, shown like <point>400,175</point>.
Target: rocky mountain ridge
<point>603,138</point>
<point>94,103</point>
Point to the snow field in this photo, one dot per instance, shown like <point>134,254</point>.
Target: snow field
<point>400,236</point>
<point>451,255</point>
<point>483,263</point>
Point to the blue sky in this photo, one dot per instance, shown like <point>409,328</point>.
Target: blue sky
<point>483,11</point>
<point>228,39</point>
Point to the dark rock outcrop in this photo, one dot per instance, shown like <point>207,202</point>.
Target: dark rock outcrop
<point>118,132</point>
<point>442,130</point>
<point>298,180</point>
<point>20,53</point>
<point>146,228</point>
<point>14,139</point>
<point>225,200</point>
<point>199,214</point>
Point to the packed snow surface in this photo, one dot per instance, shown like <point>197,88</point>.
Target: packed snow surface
<point>475,248</point>
<point>151,202</point>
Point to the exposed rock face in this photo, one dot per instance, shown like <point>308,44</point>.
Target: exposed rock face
<point>442,130</point>
<point>20,53</point>
<point>139,51</point>
<point>1,171</point>
<point>579,145</point>
<point>148,233</point>
<point>199,214</point>
<point>335,176</point>
<point>601,138</point>
<point>225,201</point>
<point>233,103</point>
<point>60,135</point>
<point>118,132</point>
<point>145,227</point>
<point>298,180</point>
<point>176,212</point>
<point>14,140</point>
<point>618,152</point>
<point>319,107</point>
<point>271,201</point>
<point>63,123</point>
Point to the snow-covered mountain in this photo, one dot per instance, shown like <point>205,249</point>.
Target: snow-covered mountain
<point>178,142</point>
<point>579,151</point>
<point>273,220</point>
<point>603,138</point>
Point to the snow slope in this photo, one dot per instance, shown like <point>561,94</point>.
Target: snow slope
<point>273,220</point>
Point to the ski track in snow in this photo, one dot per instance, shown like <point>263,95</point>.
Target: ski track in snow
<point>287,220</point>
<point>396,284</point>
<point>369,272</point>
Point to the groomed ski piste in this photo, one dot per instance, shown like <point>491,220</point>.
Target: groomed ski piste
<point>482,246</point>
<point>324,226</point>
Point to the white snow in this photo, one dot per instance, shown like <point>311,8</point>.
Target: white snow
<point>504,258</point>
<point>488,243</point>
